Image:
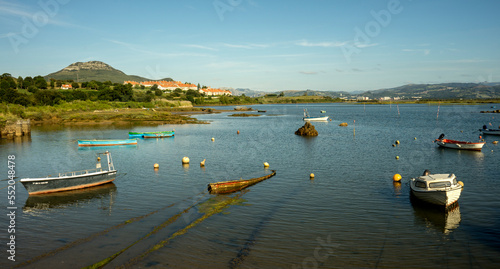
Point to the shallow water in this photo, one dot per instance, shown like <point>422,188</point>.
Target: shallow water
<point>350,215</point>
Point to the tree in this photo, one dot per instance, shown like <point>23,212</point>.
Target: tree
<point>20,82</point>
<point>52,83</point>
<point>48,97</point>
<point>40,82</point>
<point>75,85</point>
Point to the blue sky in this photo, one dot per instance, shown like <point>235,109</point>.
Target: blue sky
<point>262,45</point>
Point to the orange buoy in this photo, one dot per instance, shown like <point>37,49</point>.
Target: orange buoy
<point>396,177</point>
<point>238,132</point>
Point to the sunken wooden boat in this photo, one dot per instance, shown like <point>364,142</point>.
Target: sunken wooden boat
<point>236,185</point>
<point>73,180</point>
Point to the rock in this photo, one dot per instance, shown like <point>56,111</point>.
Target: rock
<point>343,124</point>
<point>307,130</point>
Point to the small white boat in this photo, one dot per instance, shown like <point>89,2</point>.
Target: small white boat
<point>309,118</point>
<point>437,189</point>
<point>487,131</point>
<point>455,144</point>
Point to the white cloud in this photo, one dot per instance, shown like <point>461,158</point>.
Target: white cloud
<point>305,43</point>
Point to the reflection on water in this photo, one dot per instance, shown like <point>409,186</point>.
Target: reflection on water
<point>63,199</point>
<point>439,218</point>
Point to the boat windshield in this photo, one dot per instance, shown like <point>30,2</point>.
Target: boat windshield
<point>440,184</point>
<point>420,184</point>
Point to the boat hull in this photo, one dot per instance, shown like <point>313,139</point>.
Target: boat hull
<point>441,198</point>
<point>490,131</point>
<point>454,144</point>
<point>317,119</point>
<point>142,134</point>
<point>66,183</point>
<point>236,185</point>
<point>158,135</point>
<point>101,143</point>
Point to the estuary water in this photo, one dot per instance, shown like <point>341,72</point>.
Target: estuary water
<point>351,215</point>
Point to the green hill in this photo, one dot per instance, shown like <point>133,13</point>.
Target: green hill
<point>93,70</point>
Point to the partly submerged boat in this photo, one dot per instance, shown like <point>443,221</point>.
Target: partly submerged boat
<point>322,111</point>
<point>437,189</point>
<point>73,180</point>
<point>455,144</point>
<point>487,131</point>
<point>236,185</point>
<point>157,135</point>
<point>141,134</point>
<point>101,143</point>
<point>307,117</point>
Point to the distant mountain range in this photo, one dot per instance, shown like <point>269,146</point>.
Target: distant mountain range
<point>99,71</point>
<point>93,70</point>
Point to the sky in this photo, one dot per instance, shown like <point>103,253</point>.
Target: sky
<point>326,45</point>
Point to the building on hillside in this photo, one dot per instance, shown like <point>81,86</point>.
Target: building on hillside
<point>66,87</point>
<point>168,85</point>
<point>214,92</point>
<point>131,82</point>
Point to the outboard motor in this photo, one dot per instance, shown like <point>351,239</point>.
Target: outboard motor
<point>441,136</point>
<point>426,172</point>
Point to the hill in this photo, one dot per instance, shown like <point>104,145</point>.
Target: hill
<point>92,70</point>
<point>439,91</point>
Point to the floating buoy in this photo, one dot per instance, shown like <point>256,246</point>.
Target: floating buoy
<point>495,142</point>
<point>98,159</point>
<point>202,162</point>
<point>393,145</point>
<point>397,157</point>
<point>238,132</point>
<point>311,176</point>
<point>461,183</point>
<point>396,177</point>
<point>156,166</point>
<point>415,138</point>
<point>185,160</point>
<point>266,164</point>
<point>213,139</point>
<point>397,142</point>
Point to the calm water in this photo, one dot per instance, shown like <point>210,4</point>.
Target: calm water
<point>350,215</point>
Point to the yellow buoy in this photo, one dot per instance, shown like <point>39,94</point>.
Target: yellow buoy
<point>396,177</point>
<point>266,164</point>
<point>461,183</point>
<point>415,138</point>
<point>311,176</point>
<point>156,166</point>
<point>98,159</point>
<point>495,142</point>
<point>393,145</point>
<point>397,157</point>
<point>185,160</point>
<point>213,139</point>
<point>397,142</point>
<point>202,162</point>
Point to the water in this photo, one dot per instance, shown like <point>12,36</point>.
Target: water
<point>350,215</point>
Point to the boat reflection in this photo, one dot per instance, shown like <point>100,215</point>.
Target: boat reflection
<point>63,199</point>
<point>442,219</point>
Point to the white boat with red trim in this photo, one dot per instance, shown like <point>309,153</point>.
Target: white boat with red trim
<point>456,144</point>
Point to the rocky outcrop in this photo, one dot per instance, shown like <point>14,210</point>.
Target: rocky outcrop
<point>91,65</point>
<point>307,130</point>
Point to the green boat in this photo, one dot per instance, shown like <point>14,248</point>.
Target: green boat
<point>159,133</point>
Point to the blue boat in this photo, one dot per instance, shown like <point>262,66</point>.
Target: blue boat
<point>101,143</point>
<point>142,134</point>
<point>157,135</point>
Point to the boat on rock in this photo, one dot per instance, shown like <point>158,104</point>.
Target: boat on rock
<point>437,189</point>
<point>73,180</point>
<point>455,144</point>
<point>487,131</point>
<point>102,143</point>
<point>307,117</point>
<point>236,185</point>
<point>142,134</point>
